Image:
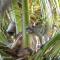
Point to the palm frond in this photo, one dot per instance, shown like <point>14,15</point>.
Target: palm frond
<point>50,46</point>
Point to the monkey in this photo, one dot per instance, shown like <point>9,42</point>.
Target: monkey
<point>18,41</point>
<point>40,31</point>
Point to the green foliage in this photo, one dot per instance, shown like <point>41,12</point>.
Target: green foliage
<point>50,48</point>
<point>25,22</point>
<point>18,14</point>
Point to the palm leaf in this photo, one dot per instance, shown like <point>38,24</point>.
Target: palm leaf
<point>51,44</point>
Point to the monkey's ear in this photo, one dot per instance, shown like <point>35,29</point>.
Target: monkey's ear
<point>11,28</point>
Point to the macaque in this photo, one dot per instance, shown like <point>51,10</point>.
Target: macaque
<point>34,32</point>
<point>40,31</point>
<point>11,28</point>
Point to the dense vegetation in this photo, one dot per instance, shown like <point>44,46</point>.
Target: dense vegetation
<point>29,29</point>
